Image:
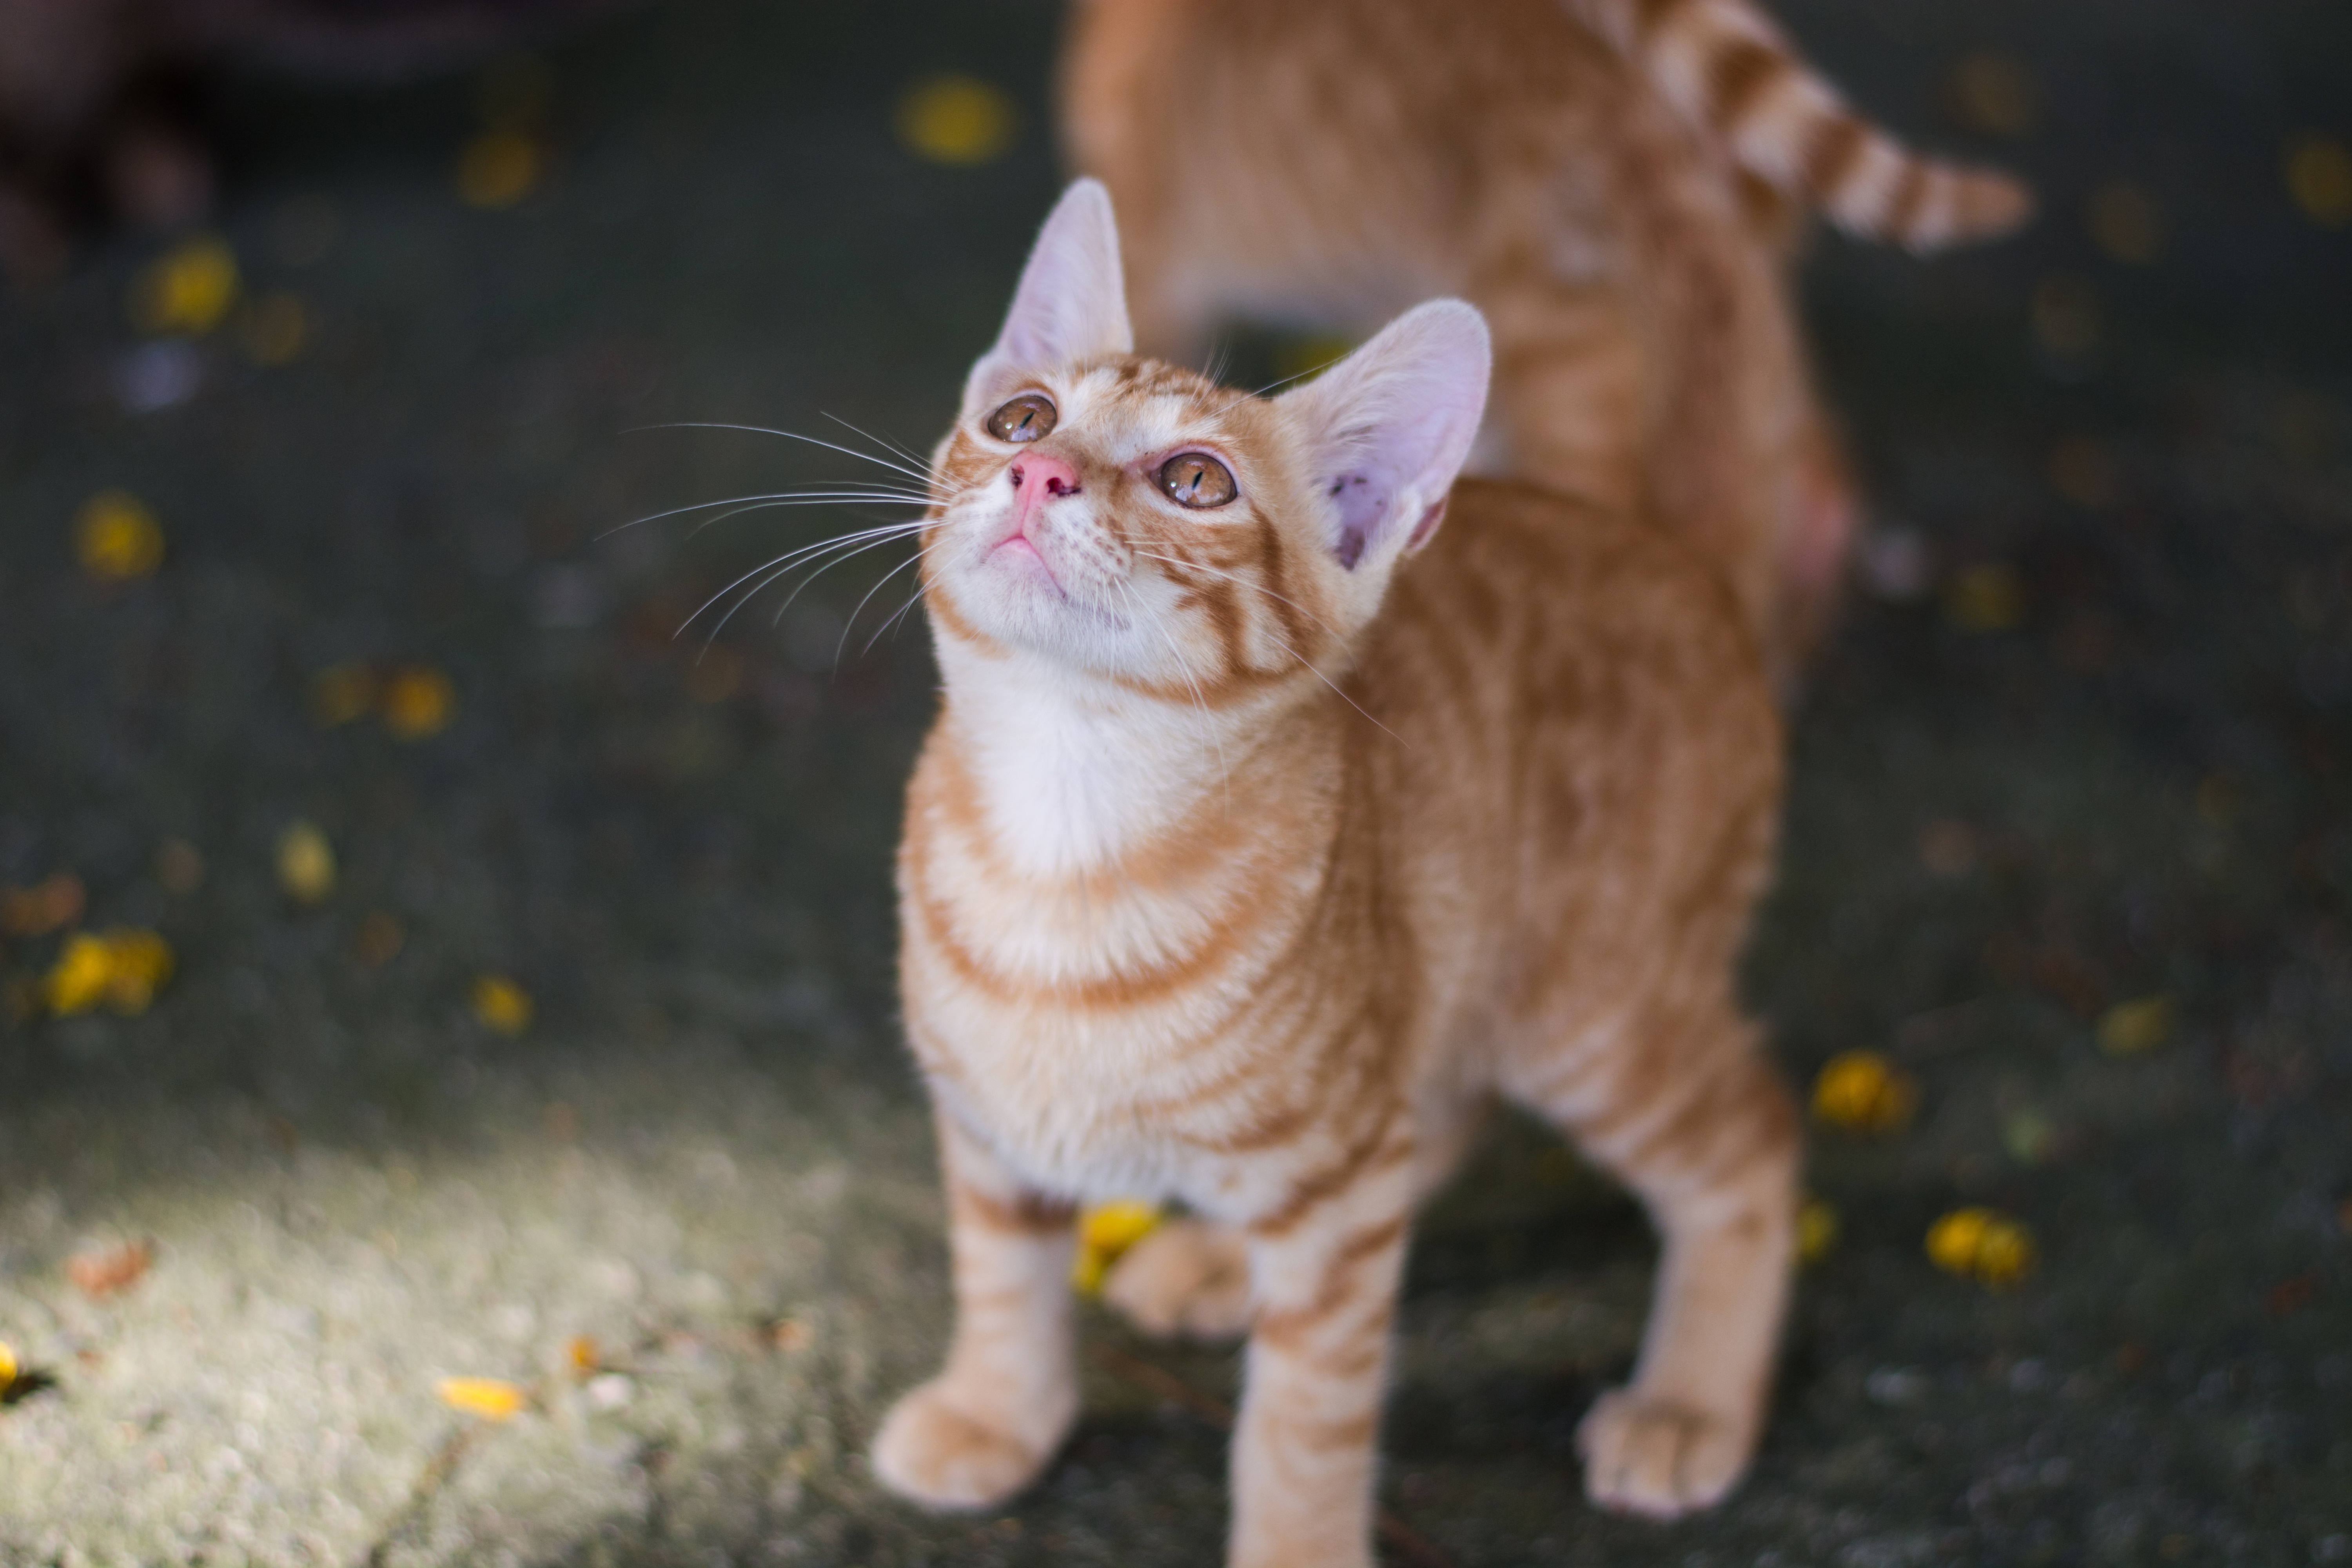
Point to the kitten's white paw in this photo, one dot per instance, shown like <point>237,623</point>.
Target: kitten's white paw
<point>1660,1460</point>
<point>1188,1277</point>
<point>934,1453</point>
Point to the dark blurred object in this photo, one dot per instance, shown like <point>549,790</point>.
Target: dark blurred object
<point>101,100</point>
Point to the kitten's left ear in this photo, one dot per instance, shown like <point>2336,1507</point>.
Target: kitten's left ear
<point>1391,425</point>
<point>1071,304</point>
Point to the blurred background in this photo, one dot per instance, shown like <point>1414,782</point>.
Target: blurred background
<point>450,1105</point>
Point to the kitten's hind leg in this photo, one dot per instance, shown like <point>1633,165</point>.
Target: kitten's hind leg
<point>1189,1276</point>
<point>985,1426</point>
<point>1708,1138</point>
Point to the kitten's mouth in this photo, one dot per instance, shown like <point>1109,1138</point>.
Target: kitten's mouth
<point>1026,557</point>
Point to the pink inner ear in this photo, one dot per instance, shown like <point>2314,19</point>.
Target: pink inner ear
<point>1362,503</point>
<point>1427,527</point>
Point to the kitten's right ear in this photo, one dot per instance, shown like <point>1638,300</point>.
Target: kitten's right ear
<point>1072,301</point>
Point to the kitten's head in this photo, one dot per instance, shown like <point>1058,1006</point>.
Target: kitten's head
<point>1135,521</point>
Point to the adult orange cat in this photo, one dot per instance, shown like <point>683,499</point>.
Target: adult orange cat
<point>1616,184</point>
<point>1249,859</point>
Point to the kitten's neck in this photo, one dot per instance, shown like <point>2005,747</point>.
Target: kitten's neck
<point>1073,772</point>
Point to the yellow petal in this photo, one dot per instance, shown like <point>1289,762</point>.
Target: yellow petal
<point>491,1398</point>
<point>8,1367</point>
<point>306,863</point>
<point>2004,1253</point>
<point>501,1003</point>
<point>957,120</point>
<point>116,536</point>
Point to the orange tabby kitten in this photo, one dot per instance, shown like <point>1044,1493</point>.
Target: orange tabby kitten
<point>1614,182</point>
<point>1247,861</point>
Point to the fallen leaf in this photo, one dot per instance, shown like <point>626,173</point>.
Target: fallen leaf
<point>116,538</point>
<point>958,121</point>
<point>102,1272</point>
<point>501,1003</point>
<point>1861,1091</point>
<point>491,1398</point>
<point>306,863</point>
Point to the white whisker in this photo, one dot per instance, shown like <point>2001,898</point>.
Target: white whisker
<point>918,475</point>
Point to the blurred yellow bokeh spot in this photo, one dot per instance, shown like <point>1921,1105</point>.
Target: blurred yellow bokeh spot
<point>8,1366</point>
<point>958,120</point>
<point>498,168</point>
<point>1864,1093</point>
<point>2319,178</point>
<point>188,289</point>
<point>501,1003</point>
<point>491,1398</point>
<point>1817,1230</point>
<point>116,536</point>
<point>1979,1244</point>
<point>417,702</point>
<point>2128,1028</point>
<point>123,969</point>
<point>1985,599</point>
<point>274,329</point>
<point>306,863</point>
<point>1105,1232</point>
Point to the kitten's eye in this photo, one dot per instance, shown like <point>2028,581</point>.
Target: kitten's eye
<point>1196,479</point>
<point>1028,418</point>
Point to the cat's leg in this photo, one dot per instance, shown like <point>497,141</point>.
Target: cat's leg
<point>985,1426</point>
<point>1324,1275</point>
<point>1684,1110</point>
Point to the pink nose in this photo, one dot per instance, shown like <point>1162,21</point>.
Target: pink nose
<point>1036,480</point>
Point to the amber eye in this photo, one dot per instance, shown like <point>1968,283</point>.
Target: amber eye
<point>1028,418</point>
<point>1196,479</point>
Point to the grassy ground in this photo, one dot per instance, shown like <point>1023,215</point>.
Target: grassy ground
<point>2098,751</point>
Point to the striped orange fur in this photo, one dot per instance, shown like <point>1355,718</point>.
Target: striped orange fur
<point>1260,844</point>
<point>1627,230</point>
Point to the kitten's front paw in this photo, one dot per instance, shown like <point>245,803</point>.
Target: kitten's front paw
<point>933,1453</point>
<point>1657,1459</point>
<point>1188,1277</point>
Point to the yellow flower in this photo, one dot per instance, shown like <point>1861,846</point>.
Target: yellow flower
<point>117,538</point>
<point>2128,1028</point>
<point>497,169</point>
<point>8,1367</point>
<point>188,289</point>
<point>1105,1231</point>
<point>140,961</point>
<point>124,969</point>
<point>491,1398</point>
<point>957,120</point>
<point>501,1003</point>
<point>306,863</point>
<point>417,702</point>
<point>1863,1091</point>
<point>1979,1244</point>
<point>1817,1230</point>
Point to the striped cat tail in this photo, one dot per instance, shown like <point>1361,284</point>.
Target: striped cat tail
<point>1725,66</point>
